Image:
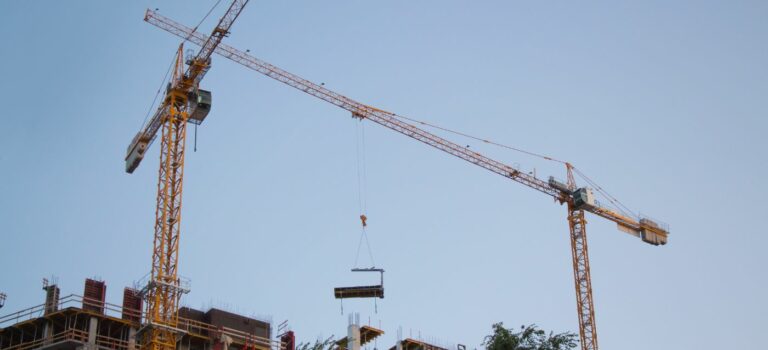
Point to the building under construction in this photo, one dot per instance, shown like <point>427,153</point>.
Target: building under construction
<point>361,335</point>
<point>88,322</point>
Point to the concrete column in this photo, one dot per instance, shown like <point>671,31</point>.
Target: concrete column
<point>222,342</point>
<point>93,328</point>
<point>131,338</point>
<point>47,332</point>
<point>353,335</point>
<point>226,340</point>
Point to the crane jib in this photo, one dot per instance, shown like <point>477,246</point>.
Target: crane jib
<point>378,116</point>
<point>655,235</point>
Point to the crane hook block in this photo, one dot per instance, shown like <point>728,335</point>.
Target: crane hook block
<point>363,219</point>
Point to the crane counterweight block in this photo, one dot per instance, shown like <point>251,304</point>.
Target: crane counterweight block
<point>558,185</point>
<point>652,232</point>
<point>135,152</point>
<point>198,106</point>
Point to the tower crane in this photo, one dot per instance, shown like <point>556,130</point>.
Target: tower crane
<point>577,200</point>
<point>182,103</point>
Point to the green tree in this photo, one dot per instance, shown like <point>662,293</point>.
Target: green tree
<point>528,338</point>
<point>319,344</point>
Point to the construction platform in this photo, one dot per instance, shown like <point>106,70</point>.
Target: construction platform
<point>367,335</point>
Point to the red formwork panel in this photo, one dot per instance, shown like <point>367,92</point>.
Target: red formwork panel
<point>51,298</point>
<point>132,305</point>
<point>93,295</point>
<point>288,341</point>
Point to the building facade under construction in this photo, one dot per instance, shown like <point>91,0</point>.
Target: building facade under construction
<point>88,322</point>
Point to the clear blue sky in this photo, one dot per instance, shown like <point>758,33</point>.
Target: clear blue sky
<point>662,103</point>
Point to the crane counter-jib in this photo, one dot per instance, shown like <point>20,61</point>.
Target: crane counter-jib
<point>143,139</point>
<point>197,67</point>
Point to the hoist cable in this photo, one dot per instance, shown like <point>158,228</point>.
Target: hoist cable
<point>357,165</point>
<point>620,206</point>
<point>365,169</point>
<point>361,190</point>
<point>364,236</point>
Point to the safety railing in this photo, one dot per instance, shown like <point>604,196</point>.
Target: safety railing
<point>69,334</point>
<point>187,325</point>
<point>71,300</point>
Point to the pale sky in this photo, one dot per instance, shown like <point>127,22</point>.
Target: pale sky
<point>661,103</point>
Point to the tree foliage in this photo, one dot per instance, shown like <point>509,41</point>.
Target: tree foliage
<point>319,344</point>
<point>528,338</point>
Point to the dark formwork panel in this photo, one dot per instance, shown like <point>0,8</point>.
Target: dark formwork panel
<point>221,318</point>
<point>132,305</point>
<point>359,292</point>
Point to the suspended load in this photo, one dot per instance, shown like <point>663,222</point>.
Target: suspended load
<point>375,291</point>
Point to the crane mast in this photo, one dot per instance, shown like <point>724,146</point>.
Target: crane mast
<point>181,104</point>
<point>577,200</point>
<point>582,277</point>
<point>164,289</point>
